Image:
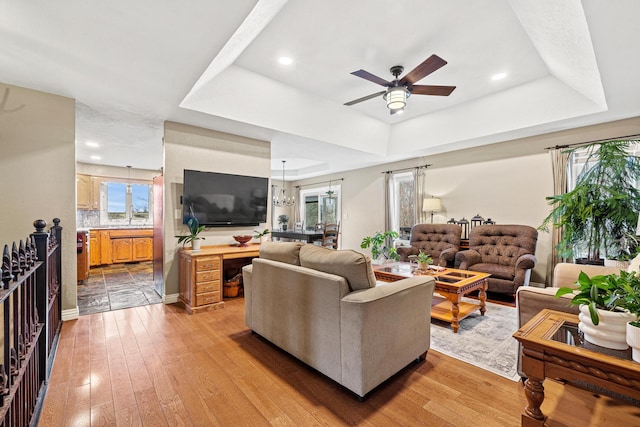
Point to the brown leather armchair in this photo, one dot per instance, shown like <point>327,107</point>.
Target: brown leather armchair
<point>507,252</point>
<point>439,241</point>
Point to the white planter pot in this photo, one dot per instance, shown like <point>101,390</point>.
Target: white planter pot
<point>611,332</point>
<point>622,265</point>
<point>195,244</point>
<point>633,339</point>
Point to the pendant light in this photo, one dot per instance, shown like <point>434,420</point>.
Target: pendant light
<point>283,201</point>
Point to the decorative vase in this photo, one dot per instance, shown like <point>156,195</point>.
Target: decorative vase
<point>195,245</point>
<point>610,332</point>
<point>622,265</point>
<point>633,339</point>
<point>284,227</point>
<point>423,266</point>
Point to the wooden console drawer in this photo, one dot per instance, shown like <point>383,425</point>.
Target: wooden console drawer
<point>208,298</point>
<point>207,276</point>
<point>202,288</point>
<point>201,274</point>
<point>211,263</point>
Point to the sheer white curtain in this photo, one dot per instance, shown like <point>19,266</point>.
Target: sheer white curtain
<point>388,202</point>
<point>420,192</point>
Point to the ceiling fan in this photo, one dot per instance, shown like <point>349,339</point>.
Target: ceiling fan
<point>399,90</point>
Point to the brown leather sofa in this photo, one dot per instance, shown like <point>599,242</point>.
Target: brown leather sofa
<point>439,241</point>
<point>507,252</point>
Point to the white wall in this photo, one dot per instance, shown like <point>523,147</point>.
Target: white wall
<point>189,147</point>
<point>510,191</point>
<point>37,172</point>
<point>116,172</point>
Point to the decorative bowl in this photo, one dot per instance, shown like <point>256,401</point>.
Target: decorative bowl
<point>242,240</point>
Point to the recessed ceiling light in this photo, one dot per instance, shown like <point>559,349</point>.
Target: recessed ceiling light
<point>92,144</point>
<point>499,76</point>
<point>285,60</point>
<point>94,157</point>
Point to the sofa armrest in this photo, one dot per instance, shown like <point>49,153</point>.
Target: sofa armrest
<point>566,274</point>
<point>405,251</point>
<point>530,301</point>
<point>383,329</point>
<point>465,259</point>
<point>526,262</point>
<point>247,280</point>
<point>448,254</point>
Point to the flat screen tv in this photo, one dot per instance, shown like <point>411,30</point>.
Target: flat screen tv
<point>224,200</point>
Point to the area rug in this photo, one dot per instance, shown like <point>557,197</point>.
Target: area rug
<point>483,341</point>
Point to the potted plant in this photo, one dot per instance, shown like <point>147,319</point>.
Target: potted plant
<point>194,230</point>
<point>603,312</point>
<point>631,301</point>
<point>602,210</point>
<point>283,220</point>
<point>423,259</point>
<point>261,234</point>
<point>381,246</point>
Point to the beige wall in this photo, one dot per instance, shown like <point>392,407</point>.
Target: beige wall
<point>492,180</point>
<point>37,172</point>
<point>189,147</point>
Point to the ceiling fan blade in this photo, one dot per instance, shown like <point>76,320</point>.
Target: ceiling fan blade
<point>364,98</point>
<point>431,90</point>
<point>371,77</point>
<point>428,66</point>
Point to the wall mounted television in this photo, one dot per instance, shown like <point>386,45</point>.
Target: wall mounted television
<point>224,200</point>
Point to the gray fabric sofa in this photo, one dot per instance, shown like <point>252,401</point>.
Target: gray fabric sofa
<point>323,307</point>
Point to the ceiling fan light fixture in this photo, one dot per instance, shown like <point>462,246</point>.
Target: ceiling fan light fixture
<point>396,97</point>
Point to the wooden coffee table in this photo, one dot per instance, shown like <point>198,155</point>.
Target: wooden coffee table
<point>553,347</point>
<point>451,284</point>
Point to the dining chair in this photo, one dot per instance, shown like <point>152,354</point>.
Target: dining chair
<point>330,234</point>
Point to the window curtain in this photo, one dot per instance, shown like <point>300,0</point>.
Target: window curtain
<point>388,222</point>
<point>297,209</point>
<point>559,163</point>
<point>420,193</point>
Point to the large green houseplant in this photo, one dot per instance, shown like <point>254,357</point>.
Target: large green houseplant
<point>381,246</point>
<point>601,212</point>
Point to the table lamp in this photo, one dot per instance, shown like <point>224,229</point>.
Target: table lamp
<point>431,205</point>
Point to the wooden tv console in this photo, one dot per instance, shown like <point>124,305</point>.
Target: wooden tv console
<point>201,274</point>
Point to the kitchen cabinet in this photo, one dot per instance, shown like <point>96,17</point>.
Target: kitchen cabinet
<point>142,249</point>
<point>114,246</point>
<point>94,248</point>
<point>88,192</point>
<point>121,250</point>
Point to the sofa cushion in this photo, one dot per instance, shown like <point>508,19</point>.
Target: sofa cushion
<point>634,265</point>
<point>288,252</point>
<point>354,266</point>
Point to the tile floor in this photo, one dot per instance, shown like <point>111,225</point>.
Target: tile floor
<point>117,286</point>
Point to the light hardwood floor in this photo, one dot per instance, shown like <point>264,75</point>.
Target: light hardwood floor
<point>157,366</point>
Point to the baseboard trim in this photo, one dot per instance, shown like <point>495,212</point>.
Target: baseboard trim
<point>170,299</point>
<point>71,314</point>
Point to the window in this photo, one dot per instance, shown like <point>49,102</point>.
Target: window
<point>123,203</point>
<point>320,205</point>
<point>402,203</point>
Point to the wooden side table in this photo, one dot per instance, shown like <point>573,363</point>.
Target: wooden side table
<point>553,347</point>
